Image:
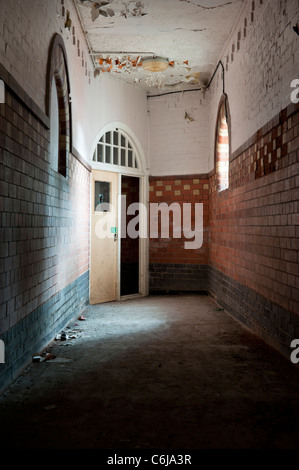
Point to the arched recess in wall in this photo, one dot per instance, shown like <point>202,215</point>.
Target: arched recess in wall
<point>222,145</point>
<point>58,105</point>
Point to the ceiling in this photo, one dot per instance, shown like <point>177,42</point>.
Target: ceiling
<point>190,34</point>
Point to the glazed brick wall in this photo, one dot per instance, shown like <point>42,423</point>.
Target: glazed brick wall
<point>272,148</point>
<point>26,30</point>
<point>44,225</point>
<point>254,225</point>
<point>179,145</point>
<point>249,260</point>
<point>260,60</point>
<point>178,277</point>
<point>271,322</point>
<point>172,267</point>
<point>30,335</point>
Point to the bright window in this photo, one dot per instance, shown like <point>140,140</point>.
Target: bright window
<point>115,148</point>
<point>222,151</point>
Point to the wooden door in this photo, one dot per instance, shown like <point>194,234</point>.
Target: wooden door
<point>104,236</point>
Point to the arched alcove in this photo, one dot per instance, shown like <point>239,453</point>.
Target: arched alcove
<point>58,90</point>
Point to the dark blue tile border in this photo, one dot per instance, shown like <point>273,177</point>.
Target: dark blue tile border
<point>37,329</point>
<point>177,278</point>
<point>269,321</point>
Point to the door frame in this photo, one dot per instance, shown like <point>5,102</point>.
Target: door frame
<point>143,242</point>
<point>142,174</point>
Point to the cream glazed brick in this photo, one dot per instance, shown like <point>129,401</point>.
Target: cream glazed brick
<point>26,32</point>
<point>39,217</point>
<point>24,55</point>
<point>259,76</point>
<point>179,145</point>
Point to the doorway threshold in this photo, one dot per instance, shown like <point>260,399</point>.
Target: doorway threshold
<point>131,296</point>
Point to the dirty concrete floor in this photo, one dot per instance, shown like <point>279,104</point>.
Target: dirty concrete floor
<point>166,372</point>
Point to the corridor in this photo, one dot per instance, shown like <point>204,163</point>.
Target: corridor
<point>161,372</point>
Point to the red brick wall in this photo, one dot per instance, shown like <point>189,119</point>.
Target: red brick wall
<point>270,149</point>
<point>180,189</point>
<point>255,223</point>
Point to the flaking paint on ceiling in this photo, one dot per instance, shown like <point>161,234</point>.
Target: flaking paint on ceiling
<point>189,33</point>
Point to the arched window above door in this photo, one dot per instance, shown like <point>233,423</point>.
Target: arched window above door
<point>116,148</point>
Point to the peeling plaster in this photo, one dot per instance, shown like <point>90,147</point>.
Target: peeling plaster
<point>190,35</point>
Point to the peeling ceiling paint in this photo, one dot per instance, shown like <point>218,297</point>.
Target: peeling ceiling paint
<point>190,34</point>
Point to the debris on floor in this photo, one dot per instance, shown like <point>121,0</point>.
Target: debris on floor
<point>63,336</point>
<point>186,368</point>
<point>47,357</point>
<point>72,334</point>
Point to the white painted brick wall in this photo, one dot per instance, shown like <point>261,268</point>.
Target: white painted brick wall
<point>36,203</point>
<point>258,78</point>
<point>109,101</point>
<point>261,59</point>
<point>26,30</point>
<point>178,146</point>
